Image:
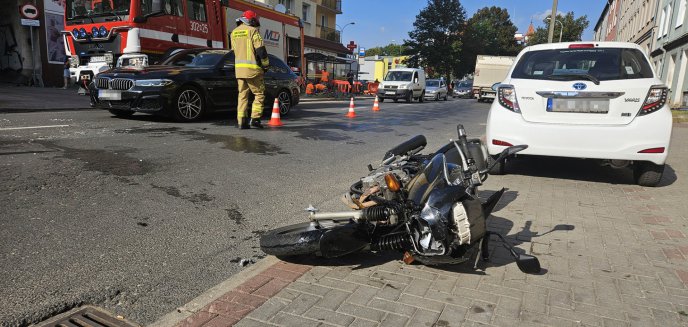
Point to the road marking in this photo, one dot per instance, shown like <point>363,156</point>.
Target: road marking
<point>31,127</point>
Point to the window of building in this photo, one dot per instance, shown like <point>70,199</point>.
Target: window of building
<point>681,13</point>
<point>196,9</point>
<point>287,4</point>
<point>667,21</point>
<point>323,20</point>
<point>661,24</point>
<point>305,11</point>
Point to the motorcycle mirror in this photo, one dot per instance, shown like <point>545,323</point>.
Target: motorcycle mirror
<point>506,153</point>
<point>528,264</point>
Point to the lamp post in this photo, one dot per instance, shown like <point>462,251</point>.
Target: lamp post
<point>341,31</point>
<point>560,24</point>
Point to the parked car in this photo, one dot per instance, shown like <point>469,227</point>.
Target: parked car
<point>403,83</point>
<point>462,89</point>
<point>188,85</point>
<point>436,89</point>
<point>597,100</point>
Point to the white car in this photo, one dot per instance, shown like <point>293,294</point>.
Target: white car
<point>594,100</point>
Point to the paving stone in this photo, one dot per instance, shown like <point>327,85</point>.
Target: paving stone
<point>228,309</point>
<point>476,295</point>
<point>545,320</point>
<point>424,318</point>
<point>606,322</point>
<point>309,288</point>
<point>535,303</point>
<point>287,294</point>
<point>221,321</point>
<point>508,307</point>
<point>457,300</point>
<point>285,319</point>
<point>248,322</point>
<point>452,316</point>
<point>266,311</point>
<point>392,307</point>
<point>500,290</point>
<point>418,287</point>
<point>334,318</point>
<point>333,299</point>
<point>665,318</point>
<point>443,283</point>
<point>357,280</point>
<point>390,291</point>
<point>339,284</point>
<point>364,323</point>
<point>301,304</point>
<point>253,283</point>
<point>361,312</point>
<point>577,316</point>
<point>388,276</point>
<point>560,299</point>
<point>197,319</point>
<point>362,295</point>
<point>481,312</point>
<point>393,320</point>
<point>421,303</point>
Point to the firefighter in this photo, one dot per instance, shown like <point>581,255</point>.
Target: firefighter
<point>251,60</point>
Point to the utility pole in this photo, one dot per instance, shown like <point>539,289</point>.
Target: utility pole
<point>550,36</point>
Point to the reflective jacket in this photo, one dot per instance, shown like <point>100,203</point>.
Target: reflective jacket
<point>249,52</point>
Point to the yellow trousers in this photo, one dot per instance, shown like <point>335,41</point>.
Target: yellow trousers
<point>246,86</point>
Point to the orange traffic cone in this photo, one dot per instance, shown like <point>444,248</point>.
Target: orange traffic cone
<point>275,120</point>
<point>376,105</point>
<point>351,113</point>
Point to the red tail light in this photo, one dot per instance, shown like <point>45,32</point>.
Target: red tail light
<point>655,100</point>
<point>500,142</point>
<point>652,150</point>
<point>582,46</point>
<point>506,95</point>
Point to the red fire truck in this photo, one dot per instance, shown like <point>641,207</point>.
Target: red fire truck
<point>100,34</point>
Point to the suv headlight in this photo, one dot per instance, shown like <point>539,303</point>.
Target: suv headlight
<point>153,82</point>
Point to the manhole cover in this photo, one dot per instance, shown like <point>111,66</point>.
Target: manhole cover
<point>86,317</point>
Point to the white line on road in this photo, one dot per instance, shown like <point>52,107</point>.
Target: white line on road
<point>31,127</point>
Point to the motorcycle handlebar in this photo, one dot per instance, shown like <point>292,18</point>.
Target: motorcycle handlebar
<point>415,144</point>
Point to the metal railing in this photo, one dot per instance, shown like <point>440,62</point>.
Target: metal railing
<point>334,5</point>
<point>330,34</point>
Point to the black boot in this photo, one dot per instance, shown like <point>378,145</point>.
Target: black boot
<point>244,124</point>
<point>255,122</point>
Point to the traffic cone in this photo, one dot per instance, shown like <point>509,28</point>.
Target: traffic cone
<point>275,120</point>
<point>351,113</point>
<point>376,105</point>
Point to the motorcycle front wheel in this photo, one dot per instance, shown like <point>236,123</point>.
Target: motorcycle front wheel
<point>296,239</point>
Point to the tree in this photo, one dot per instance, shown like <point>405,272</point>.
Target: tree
<point>489,32</point>
<point>435,41</point>
<point>573,29</point>
<point>387,50</point>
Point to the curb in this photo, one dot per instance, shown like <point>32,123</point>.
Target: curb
<point>180,314</point>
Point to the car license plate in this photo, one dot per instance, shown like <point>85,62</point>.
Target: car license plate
<point>390,92</point>
<point>591,106</point>
<point>110,94</point>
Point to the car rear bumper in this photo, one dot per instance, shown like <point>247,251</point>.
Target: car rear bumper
<point>149,100</point>
<point>622,142</point>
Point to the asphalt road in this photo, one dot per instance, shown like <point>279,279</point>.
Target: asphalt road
<point>140,216</point>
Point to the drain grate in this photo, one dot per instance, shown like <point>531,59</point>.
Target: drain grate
<point>87,316</point>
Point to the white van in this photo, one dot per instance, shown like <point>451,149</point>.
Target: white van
<point>403,83</point>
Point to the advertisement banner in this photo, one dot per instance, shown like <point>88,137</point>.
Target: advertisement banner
<point>54,23</point>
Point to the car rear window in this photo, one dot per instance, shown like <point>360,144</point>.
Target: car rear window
<point>602,63</point>
<point>432,83</point>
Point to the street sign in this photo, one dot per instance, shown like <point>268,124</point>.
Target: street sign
<point>29,11</point>
<point>351,46</point>
<point>361,52</point>
<point>30,22</point>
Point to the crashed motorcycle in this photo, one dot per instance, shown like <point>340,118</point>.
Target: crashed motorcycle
<point>425,206</point>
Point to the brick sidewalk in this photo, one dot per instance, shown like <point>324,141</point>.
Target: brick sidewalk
<point>613,255</point>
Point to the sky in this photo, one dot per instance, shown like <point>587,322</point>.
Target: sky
<point>381,22</point>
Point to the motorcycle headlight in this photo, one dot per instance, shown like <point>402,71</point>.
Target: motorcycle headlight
<point>153,82</point>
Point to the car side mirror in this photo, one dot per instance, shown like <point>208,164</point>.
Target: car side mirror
<point>415,80</point>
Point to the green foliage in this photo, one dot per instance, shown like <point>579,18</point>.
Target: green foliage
<point>435,43</point>
<point>387,50</point>
<point>489,32</point>
<point>573,29</point>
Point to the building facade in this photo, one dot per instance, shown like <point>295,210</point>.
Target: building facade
<point>636,22</point>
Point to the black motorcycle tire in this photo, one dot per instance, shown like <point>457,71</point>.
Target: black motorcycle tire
<point>292,240</point>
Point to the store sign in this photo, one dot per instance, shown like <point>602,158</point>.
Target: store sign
<point>361,52</point>
<point>314,50</point>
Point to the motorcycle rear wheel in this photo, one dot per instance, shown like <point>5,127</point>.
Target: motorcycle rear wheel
<point>295,239</point>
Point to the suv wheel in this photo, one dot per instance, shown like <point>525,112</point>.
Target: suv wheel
<point>647,173</point>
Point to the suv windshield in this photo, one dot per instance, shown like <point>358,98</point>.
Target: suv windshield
<point>96,8</point>
<point>432,83</point>
<point>398,76</point>
<point>569,64</point>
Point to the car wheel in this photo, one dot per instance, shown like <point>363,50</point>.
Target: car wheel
<point>189,104</point>
<point>422,97</point>
<point>499,168</point>
<point>437,97</point>
<point>395,100</point>
<point>121,113</point>
<point>284,102</point>
<point>409,97</point>
<point>647,173</point>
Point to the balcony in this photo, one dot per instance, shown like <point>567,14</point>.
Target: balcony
<point>334,5</point>
<point>329,34</point>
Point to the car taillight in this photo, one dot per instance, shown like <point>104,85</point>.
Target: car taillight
<point>506,96</point>
<point>655,100</point>
<point>582,46</point>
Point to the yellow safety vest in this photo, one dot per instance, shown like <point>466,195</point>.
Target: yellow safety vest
<point>245,40</point>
